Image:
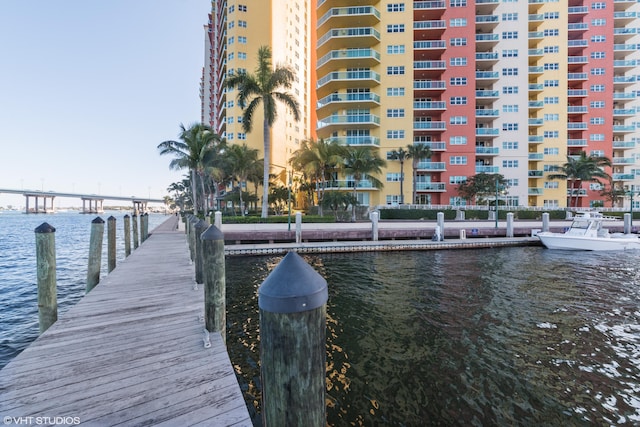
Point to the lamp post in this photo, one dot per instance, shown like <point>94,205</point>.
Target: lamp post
<point>497,188</point>
<point>631,208</point>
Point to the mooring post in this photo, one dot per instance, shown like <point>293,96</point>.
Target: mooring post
<point>134,220</point>
<point>145,226</point>
<point>199,229</point>
<point>509,224</point>
<point>627,223</point>
<point>292,302</point>
<point>192,237</point>
<point>440,221</point>
<point>95,253</point>
<point>213,272</point>
<point>217,220</point>
<point>111,244</point>
<point>374,226</point>
<point>46,273</point>
<point>127,235</point>
<point>298,227</point>
<point>545,221</point>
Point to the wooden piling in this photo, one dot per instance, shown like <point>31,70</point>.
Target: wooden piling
<point>46,273</point>
<point>192,239</point>
<point>134,220</point>
<point>127,235</point>
<point>374,226</point>
<point>292,303</point>
<point>200,227</point>
<point>144,221</point>
<point>213,273</point>
<point>95,253</point>
<point>111,244</point>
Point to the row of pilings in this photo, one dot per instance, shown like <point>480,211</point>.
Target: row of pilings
<point>292,304</point>
<point>46,259</point>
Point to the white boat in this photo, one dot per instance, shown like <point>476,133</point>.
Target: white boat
<point>587,234</point>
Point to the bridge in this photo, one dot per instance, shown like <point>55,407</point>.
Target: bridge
<point>95,201</point>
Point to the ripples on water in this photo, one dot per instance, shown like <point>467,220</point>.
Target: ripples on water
<point>514,336</point>
<point>18,282</point>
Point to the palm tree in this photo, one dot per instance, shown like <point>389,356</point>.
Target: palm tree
<point>582,168</point>
<point>242,161</point>
<point>318,160</point>
<point>417,152</point>
<point>263,88</point>
<point>400,155</point>
<point>191,152</point>
<point>361,163</point>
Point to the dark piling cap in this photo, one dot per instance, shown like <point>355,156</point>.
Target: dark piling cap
<point>201,225</point>
<point>98,220</point>
<point>292,287</point>
<point>212,233</point>
<point>126,216</point>
<point>111,218</point>
<point>45,228</point>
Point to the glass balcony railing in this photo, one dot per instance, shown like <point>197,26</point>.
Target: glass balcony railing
<point>430,25</point>
<point>430,186</point>
<point>488,151</point>
<point>349,97</point>
<point>432,166</point>
<point>349,119</point>
<point>419,5</point>
<point>577,142</point>
<point>429,65</point>
<point>348,75</point>
<point>351,11</point>
<point>487,132</point>
<point>430,44</point>
<point>418,125</point>
<point>357,140</point>
<point>349,32</point>
<point>487,169</point>
<point>349,54</point>
<point>429,84</point>
<point>429,105</point>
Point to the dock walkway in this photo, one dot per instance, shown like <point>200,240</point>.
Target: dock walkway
<point>131,352</point>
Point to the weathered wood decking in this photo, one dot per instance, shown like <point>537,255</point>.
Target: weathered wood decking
<point>131,352</point>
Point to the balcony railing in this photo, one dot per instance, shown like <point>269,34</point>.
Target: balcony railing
<point>349,97</point>
<point>349,54</point>
<point>420,125</point>
<point>487,169</point>
<point>349,119</point>
<point>429,84</point>
<point>349,32</point>
<point>429,105</point>
<point>357,140</point>
<point>431,166</point>
<point>430,186</point>
<point>349,11</point>
<point>430,25</point>
<point>348,75</point>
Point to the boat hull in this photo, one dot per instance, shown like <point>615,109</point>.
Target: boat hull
<point>582,243</point>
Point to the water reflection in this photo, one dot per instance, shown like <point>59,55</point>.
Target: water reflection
<point>509,336</point>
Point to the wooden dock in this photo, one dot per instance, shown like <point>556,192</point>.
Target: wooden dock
<point>131,352</point>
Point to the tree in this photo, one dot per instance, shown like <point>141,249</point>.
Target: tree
<point>481,187</point>
<point>614,193</point>
<point>417,152</point>
<point>336,200</point>
<point>242,162</point>
<point>191,152</point>
<point>318,160</point>
<point>400,155</point>
<point>361,163</point>
<point>579,169</point>
<point>262,88</point>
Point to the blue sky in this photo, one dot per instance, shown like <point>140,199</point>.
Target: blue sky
<point>89,88</point>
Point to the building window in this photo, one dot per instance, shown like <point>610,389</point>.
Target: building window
<point>458,81</point>
<point>242,8</point>
<point>458,22</point>
<point>551,100</point>
<point>457,179</point>
<point>596,104</point>
<point>551,117</point>
<point>395,70</point>
<point>242,55</point>
<point>509,71</point>
<point>457,3</point>
<point>242,136</point>
<point>551,49</point>
<point>509,163</point>
<point>599,22</point>
<point>509,35</point>
<point>597,88</point>
<point>242,40</point>
<point>395,112</point>
<point>458,100</point>
<point>458,61</point>
<point>395,134</point>
<point>597,72</point>
<point>458,160</point>
<point>551,83</point>
<point>394,177</point>
<point>551,32</point>
<point>395,7</point>
<point>596,120</point>
<point>458,120</point>
<point>551,66</point>
<point>600,5</point>
<point>510,108</point>
<point>598,39</point>
<point>597,137</point>
<point>551,151</point>
<point>510,16</point>
<point>510,90</point>
<point>458,140</point>
<point>551,134</point>
<point>597,55</point>
<point>510,145</point>
<point>510,53</point>
<point>395,91</point>
<point>509,126</point>
<point>242,24</point>
<point>395,49</point>
<point>395,28</point>
<point>458,41</point>
<point>551,15</point>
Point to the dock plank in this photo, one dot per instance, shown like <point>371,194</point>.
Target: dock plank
<point>131,351</point>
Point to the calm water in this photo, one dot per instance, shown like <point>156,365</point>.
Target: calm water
<point>18,289</point>
<point>514,336</point>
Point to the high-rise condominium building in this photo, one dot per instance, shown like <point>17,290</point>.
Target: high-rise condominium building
<point>496,86</point>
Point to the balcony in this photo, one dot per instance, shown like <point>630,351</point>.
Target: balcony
<point>533,191</point>
<point>536,87</point>
<point>578,26</point>
<point>427,5</point>
<point>624,128</point>
<point>352,37</point>
<point>535,173</point>
<point>487,169</point>
<point>429,85</point>
<point>430,25</point>
<point>354,121</point>
<point>623,96</point>
<point>626,112</point>
<point>430,186</point>
<point>430,105</point>
<point>487,94</point>
<point>486,41</point>
<point>578,10</point>
<point>487,56</point>
<point>536,70</point>
<point>623,161</point>
<point>537,17</point>
<point>349,58</point>
<point>487,132</point>
<point>486,23</point>
<point>536,105</point>
<point>488,76</point>
<point>536,157</point>
<point>355,79</point>
<point>433,145</point>
<point>576,142</point>
<point>577,60</point>
<point>577,109</point>
<point>535,35</point>
<point>358,141</point>
<point>486,113</point>
<point>627,64</point>
<point>623,176</point>
<point>535,139</point>
<point>577,93</point>
<point>365,15</point>
<point>624,80</point>
<point>577,76</point>
<point>431,45</point>
<point>624,18</point>
<point>367,99</point>
<point>425,165</point>
<point>487,151</point>
<point>429,125</point>
<point>535,122</point>
<point>430,65</point>
<point>624,145</point>
<point>364,184</point>
<point>576,126</point>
